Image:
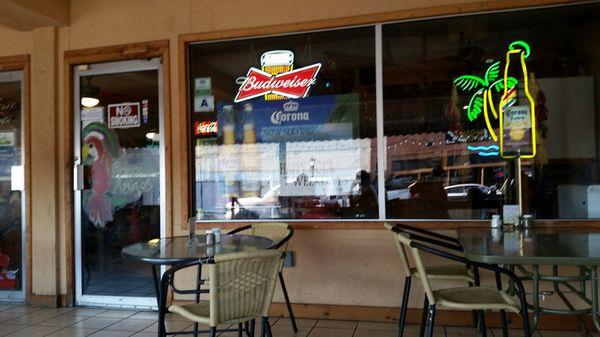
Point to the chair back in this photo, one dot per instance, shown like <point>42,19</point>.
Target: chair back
<point>403,242</point>
<point>278,232</point>
<point>242,285</point>
<point>401,250</point>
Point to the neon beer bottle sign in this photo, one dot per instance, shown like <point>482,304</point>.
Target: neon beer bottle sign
<point>490,84</point>
<point>517,122</point>
<point>277,80</point>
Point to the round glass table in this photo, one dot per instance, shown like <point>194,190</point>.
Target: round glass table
<point>176,250</point>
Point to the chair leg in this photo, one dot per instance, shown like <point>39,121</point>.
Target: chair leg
<point>504,324</point>
<point>431,320</point>
<point>287,303</point>
<point>403,309</point>
<point>525,317</point>
<point>251,328</point>
<point>474,312</point>
<point>266,327</point>
<point>263,326</point>
<point>213,331</point>
<point>240,329</point>
<point>502,312</point>
<point>483,330</point>
<point>423,317</point>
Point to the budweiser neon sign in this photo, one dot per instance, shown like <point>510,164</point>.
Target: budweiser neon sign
<point>277,80</point>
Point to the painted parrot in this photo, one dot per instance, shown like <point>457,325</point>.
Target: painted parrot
<point>100,148</point>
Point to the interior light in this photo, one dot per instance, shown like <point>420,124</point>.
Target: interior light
<point>89,102</point>
<point>90,94</point>
<point>152,136</point>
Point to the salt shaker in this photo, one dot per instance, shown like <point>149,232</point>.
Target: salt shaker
<point>210,238</point>
<point>527,221</point>
<point>217,232</point>
<point>496,221</point>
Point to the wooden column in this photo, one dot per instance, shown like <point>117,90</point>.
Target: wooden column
<point>44,161</point>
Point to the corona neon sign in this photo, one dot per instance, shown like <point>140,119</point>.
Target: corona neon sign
<point>490,84</point>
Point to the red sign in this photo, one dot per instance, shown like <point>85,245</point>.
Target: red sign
<point>205,128</point>
<point>292,84</point>
<point>124,115</point>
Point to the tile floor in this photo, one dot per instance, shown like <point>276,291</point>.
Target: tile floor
<point>19,320</point>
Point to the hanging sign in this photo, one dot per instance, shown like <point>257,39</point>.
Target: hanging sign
<point>276,80</point>
<point>124,115</point>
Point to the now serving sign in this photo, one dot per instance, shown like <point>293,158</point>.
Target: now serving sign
<point>124,115</point>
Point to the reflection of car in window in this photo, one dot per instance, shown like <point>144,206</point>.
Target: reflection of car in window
<point>266,206</point>
<point>480,196</point>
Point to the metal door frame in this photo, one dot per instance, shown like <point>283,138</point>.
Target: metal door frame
<point>11,295</point>
<point>105,69</point>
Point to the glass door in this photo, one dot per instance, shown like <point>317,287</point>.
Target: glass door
<point>12,183</point>
<point>119,178</point>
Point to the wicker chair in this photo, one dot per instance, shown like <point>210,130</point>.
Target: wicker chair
<point>454,272</point>
<point>280,233</point>
<point>477,298</point>
<point>240,289</point>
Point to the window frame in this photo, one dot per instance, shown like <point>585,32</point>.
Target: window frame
<point>377,21</point>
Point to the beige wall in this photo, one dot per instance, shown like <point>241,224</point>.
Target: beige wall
<point>354,267</point>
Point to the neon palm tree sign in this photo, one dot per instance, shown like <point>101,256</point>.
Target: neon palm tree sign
<point>481,100</point>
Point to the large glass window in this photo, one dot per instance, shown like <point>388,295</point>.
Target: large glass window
<point>284,127</point>
<point>447,85</point>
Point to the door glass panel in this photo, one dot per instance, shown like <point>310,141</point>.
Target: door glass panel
<point>11,258</point>
<point>120,200</point>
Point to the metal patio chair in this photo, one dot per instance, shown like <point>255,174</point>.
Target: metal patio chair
<point>455,272</point>
<point>241,287</point>
<point>477,298</point>
<point>280,233</point>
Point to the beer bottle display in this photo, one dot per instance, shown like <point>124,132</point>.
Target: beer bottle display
<point>250,156</point>
<point>229,160</point>
<point>517,107</point>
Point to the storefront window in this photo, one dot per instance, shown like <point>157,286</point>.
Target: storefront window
<point>284,127</point>
<point>447,85</point>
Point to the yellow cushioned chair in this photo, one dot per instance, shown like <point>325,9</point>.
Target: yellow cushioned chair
<point>477,298</point>
<point>240,289</point>
<point>280,233</point>
<point>449,272</point>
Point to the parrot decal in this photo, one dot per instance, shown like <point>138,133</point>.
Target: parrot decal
<point>100,148</point>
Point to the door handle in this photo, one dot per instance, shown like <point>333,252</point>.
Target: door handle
<point>17,178</point>
<point>78,177</point>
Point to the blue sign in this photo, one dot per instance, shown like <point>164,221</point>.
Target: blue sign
<point>307,119</point>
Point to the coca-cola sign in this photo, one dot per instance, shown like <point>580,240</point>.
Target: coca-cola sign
<point>205,128</point>
<point>291,84</point>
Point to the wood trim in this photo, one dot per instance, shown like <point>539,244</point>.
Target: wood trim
<point>22,63</point>
<point>413,316</point>
<point>51,301</point>
<point>408,14</point>
<point>184,129</point>
<point>121,52</point>
<point>141,50</point>
<point>405,14</point>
